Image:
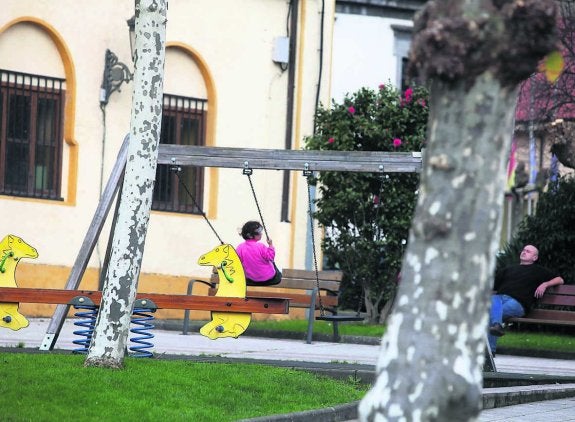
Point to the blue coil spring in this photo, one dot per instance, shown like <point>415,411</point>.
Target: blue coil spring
<point>141,318</point>
<point>88,322</point>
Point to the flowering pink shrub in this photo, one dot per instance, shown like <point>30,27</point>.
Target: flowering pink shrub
<point>408,95</point>
<point>367,216</point>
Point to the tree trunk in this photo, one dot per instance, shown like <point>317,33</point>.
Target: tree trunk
<point>430,364</point>
<point>112,327</point>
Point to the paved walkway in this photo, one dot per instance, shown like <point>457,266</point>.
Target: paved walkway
<point>281,350</point>
<point>562,410</point>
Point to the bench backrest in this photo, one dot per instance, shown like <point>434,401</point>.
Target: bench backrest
<point>544,313</point>
<point>563,295</point>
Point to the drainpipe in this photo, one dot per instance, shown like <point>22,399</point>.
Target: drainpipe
<point>290,105</point>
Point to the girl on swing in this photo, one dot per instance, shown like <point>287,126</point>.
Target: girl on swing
<point>257,258</point>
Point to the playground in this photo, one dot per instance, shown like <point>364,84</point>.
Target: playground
<point>340,360</point>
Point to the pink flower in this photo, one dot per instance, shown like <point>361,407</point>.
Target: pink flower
<point>422,102</point>
<point>408,94</point>
<point>351,109</point>
<point>330,141</point>
<point>396,142</point>
<point>381,86</point>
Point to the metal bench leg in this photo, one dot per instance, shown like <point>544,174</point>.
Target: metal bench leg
<point>336,337</point>
<point>186,325</point>
<point>311,316</point>
<point>489,365</point>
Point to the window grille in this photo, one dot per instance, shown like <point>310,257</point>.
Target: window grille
<point>183,123</point>
<point>31,122</point>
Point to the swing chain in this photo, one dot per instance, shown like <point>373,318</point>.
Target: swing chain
<point>248,172</point>
<point>176,170</point>
<point>308,174</point>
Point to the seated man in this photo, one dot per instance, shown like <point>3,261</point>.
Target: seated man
<point>517,286</point>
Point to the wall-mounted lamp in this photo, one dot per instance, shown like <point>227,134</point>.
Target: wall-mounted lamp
<point>132,28</point>
<point>116,72</point>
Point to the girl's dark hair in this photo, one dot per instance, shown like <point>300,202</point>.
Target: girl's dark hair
<point>251,229</point>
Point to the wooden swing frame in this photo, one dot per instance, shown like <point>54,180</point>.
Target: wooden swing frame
<point>200,156</point>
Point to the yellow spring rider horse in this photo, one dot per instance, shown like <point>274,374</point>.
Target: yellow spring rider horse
<point>12,250</point>
<point>232,284</point>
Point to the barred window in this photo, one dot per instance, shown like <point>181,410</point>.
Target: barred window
<point>183,123</point>
<point>31,121</point>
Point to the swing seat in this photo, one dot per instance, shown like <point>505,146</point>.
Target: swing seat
<point>339,318</point>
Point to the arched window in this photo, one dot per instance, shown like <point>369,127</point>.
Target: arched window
<point>31,122</point>
<point>183,123</point>
<point>402,42</point>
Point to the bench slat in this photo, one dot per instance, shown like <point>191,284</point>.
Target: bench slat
<point>556,317</point>
<point>557,300</point>
<point>301,300</point>
<point>563,289</point>
<point>300,283</point>
<point>310,275</point>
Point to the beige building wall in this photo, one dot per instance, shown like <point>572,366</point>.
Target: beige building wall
<point>219,50</point>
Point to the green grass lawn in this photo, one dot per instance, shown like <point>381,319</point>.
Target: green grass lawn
<point>538,341</point>
<point>57,387</point>
<point>522,340</point>
<point>321,327</point>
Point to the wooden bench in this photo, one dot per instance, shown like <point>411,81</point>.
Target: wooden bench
<point>551,309</point>
<point>300,287</point>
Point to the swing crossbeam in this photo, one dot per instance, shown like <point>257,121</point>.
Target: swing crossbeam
<point>280,159</point>
<point>263,305</point>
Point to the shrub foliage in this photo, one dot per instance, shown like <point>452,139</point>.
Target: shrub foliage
<point>367,216</point>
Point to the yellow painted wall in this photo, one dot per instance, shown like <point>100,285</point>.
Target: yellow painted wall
<point>226,57</point>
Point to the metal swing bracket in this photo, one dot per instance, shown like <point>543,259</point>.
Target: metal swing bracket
<point>247,170</point>
<point>306,171</point>
<point>145,304</point>
<point>174,167</point>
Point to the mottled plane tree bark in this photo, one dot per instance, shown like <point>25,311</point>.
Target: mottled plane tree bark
<point>475,53</point>
<point>108,344</point>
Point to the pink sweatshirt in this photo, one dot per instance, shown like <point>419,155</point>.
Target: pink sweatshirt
<point>257,259</point>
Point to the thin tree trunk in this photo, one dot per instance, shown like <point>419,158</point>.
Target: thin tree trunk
<point>112,327</point>
<point>430,365</point>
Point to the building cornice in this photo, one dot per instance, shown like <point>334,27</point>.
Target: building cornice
<point>400,9</point>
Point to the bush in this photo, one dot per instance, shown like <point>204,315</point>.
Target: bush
<point>367,216</point>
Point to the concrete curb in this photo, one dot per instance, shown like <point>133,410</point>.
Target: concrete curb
<point>492,398</point>
<point>342,412</point>
<point>509,396</point>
